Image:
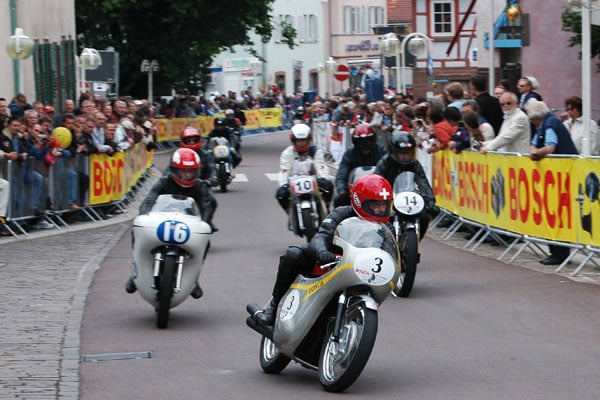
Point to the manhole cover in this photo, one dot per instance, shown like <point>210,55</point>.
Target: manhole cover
<point>116,356</point>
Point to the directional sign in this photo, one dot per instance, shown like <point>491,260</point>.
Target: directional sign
<point>342,73</point>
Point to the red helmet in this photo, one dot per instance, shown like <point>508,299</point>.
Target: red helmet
<point>369,195</point>
<point>301,132</point>
<point>190,138</point>
<point>185,167</point>
<point>363,137</point>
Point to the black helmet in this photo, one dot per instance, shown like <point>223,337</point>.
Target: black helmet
<point>219,122</point>
<point>402,147</point>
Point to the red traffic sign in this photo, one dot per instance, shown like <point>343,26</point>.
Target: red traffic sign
<point>342,73</point>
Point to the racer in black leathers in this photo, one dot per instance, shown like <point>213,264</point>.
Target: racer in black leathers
<point>200,192</point>
<point>300,259</point>
<point>222,130</point>
<point>401,157</point>
<point>365,152</point>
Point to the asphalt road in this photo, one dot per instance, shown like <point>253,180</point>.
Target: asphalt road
<point>473,327</point>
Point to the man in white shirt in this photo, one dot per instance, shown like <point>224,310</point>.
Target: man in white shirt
<point>575,126</point>
<point>515,132</point>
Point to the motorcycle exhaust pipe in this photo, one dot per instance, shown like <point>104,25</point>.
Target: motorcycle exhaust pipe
<point>264,330</point>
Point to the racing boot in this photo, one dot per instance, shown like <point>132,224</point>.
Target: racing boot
<point>267,316</point>
<point>130,285</point>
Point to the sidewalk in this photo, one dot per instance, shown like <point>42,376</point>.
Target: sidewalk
<point>44,285</point>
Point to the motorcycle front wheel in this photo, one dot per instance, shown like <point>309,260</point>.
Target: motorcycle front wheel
<point>223,177</point>
<point>165,291</point>
<point>342,361</point>
<point>409,250</point>
<point>309,224</point>
<point>271,360</point>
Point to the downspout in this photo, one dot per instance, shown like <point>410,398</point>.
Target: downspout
<point>13,26</point>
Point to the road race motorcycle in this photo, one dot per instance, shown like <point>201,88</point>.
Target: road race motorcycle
<point>358,173</point>
<point>221,150</point>
<point>408,206</point>
<point>307,208</point>
<point>169,247</point>
<point>327,320</point>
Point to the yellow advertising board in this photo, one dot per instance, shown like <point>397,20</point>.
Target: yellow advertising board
<point>555,198</point>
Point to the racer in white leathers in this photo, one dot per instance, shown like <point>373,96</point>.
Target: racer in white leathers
<point>301,137</point>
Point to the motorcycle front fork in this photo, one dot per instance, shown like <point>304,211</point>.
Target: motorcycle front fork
<point>341,309</point>
<point>158,259</point>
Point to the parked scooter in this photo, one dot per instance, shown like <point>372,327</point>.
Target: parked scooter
<point>307,208</point>
<point>169,247</point>
<point>408,207</point>
<point>328,321</point>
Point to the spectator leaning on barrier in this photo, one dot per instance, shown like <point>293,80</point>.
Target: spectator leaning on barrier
<point>515,132</point>
<point>550,137</point>
<point>108,145</point>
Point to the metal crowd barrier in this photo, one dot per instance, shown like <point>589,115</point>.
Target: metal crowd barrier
<point>35,191</point>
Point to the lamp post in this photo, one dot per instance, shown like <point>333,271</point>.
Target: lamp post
<point>150,67</point>
<point>19,47</point>
<point>586,7</point>
<point>330,68</point>
<point>89,59</point>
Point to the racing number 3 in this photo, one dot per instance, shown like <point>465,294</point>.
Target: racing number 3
<point>378,264</point>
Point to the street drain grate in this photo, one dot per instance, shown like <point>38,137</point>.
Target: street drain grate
<point>116,356</point>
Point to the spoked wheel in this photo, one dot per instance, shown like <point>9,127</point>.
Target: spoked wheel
<point>271,360</point>
<point>342,362</point>
<point>165,291</point>
<point>223,177</point>
<point>410,258</point>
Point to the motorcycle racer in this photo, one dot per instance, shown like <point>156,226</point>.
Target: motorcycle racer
<point>182,180</point>
<point>371,200</point>
<point>365,152</point>
<point>301,147</point>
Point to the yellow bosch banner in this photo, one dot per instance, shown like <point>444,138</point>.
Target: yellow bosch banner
<point>270,117</point>
<point>112,176</point>
<point>252,119</point>
<point>106,178</point>
<point>555,198</point>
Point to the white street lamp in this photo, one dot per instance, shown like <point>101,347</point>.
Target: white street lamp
<point>330,68</point>
<point>89,59</point>
<point>150,67</point>
<point>390,47</point>
<point>417,46</point>
<point>19,47</point>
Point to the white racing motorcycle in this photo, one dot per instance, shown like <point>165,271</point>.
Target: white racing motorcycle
<point>307,208</point>
<point>169,247</point>
<point>222,153</point>
<point>408,206</point>
<point>328,321</point>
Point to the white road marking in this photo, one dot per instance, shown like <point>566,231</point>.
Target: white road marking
<point>240,178</point>
<point>273,177</point>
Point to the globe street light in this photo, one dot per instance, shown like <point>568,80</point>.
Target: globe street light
<point>19,47</point>
<point>150,67</point>
<point>390,47</point>
<point>417,46</point>
<point>89,59</point>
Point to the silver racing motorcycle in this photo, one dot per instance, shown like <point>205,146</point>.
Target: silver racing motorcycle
<point>328,321</point>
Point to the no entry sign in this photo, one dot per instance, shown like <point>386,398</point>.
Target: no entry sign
<point>342,73</point>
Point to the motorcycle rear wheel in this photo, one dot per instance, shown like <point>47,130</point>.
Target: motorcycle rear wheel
<point>271,360</point>
<point>342,362</point>
<point>165,291</point>
<point>223,177</point>
<point>410,255</point>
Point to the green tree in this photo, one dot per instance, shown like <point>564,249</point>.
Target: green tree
<point>181,35</point>
<point>571,22</point>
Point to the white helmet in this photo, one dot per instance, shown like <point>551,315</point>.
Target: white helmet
<point>301,132</point>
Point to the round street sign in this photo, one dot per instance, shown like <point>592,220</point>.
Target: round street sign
<point>342,73</point>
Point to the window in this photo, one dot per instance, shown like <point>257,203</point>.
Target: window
<point>442,14</point>
<point>376,17</point>
<point>307,28</point>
